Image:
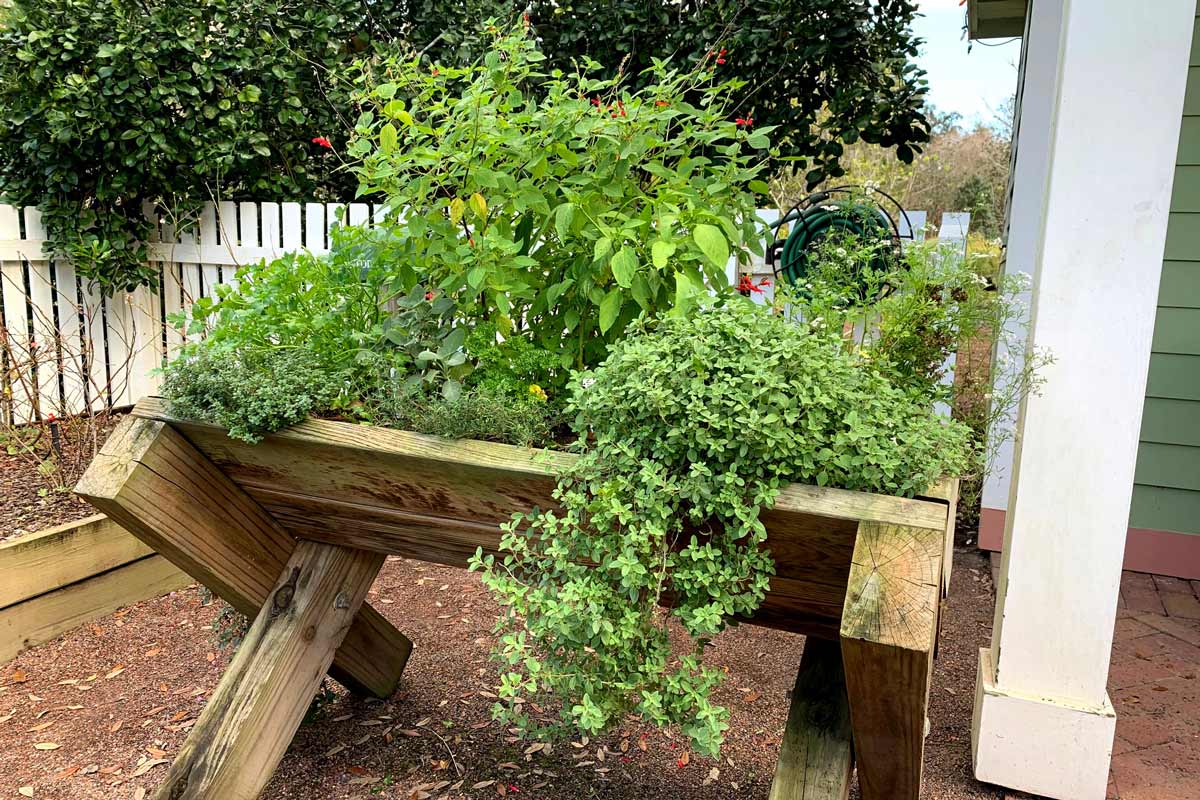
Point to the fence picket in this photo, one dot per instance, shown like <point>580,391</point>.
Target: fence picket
<point>293,233</point>
<point>94,351</point>
<point>271,243</point>
<point>314,227</point>
<point>17,387</point>
<point>66,294</point>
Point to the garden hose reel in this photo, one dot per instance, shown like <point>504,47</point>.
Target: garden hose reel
<point>849,210</point>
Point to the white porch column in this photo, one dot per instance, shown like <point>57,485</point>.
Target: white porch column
<point>1043,722</point>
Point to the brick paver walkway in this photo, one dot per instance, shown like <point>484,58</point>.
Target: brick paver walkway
<point>1154,683</point>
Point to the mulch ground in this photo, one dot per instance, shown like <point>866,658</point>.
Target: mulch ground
<point>99,712</point>
<point>31,501</point>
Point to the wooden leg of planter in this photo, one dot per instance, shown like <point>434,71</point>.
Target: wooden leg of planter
<point>888,628</point>
<point>149,479</point>
<point>250,719</point>
<point>816,757</point>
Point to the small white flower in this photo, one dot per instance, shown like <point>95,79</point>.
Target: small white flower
<point>586,383</point>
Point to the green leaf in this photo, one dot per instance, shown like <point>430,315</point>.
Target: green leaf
<point>661,252</point>
<point>388,136</point>
<point>712,244</point>
<point>610,307</point>
<point>624,266</point>
<point>602,248</point>
<point>564,217</point>
<point>479,206</point>
<point>457,209</point>
<point>476,277</point>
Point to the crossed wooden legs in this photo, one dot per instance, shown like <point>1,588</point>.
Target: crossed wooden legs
<point>306,598</point>
<point>872,689</point>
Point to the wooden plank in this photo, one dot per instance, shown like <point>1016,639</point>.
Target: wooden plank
<point>816,757</point>
<point>70,316</point>
<point>314,227</point>
<point>45,331</point>
<point>118,334</point>
<point>150,480</point>
<point>257,707</point>
<point>436,500</point>
<point>53,558</point>
<point>92,307</point>
<point>209,238</point>
<point>18,387</point>
<point>357,463</point>
<point>889,625</point>
<point>145,321</point>
<point>292,233</point>
<point>271,231</point>
<point>46,616</point>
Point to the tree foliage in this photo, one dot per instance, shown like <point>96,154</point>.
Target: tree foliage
<point>106,105</point>
<point>827,72</point>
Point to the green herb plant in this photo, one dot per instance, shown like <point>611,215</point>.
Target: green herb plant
<point>557,206</point>
<point>691,427</point>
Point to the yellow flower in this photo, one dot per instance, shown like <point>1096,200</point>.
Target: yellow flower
<point>538,392</point>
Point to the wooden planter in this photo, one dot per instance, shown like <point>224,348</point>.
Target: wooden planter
<point>292,531</point>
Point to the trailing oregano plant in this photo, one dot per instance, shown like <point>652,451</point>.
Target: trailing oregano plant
<point>691,426</point>
<point>558,206</point>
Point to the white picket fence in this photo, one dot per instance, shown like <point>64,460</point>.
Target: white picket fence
<point>68,349</point>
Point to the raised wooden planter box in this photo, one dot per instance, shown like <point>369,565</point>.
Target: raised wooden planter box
<point>293,530</point>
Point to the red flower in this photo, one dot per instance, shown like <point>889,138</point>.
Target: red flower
<point>435,72</point>
<point>429,295</point>
<point>743,122</point>
<point>661,103</point>
<point>747,286</point>
<point>323,142</point>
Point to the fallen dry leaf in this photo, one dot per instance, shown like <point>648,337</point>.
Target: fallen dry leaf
<point>41,727</point>
<point>18,676</point>
<point>25,791</point>
<point>116,726</point>
<point>47,746</point>
<point>146,766</point>
<point>115,671</point>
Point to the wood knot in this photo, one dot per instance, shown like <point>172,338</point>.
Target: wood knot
<point>282,599</point>
<point>310,633</point>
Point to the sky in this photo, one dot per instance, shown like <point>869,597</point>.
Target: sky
<point>974,83</point>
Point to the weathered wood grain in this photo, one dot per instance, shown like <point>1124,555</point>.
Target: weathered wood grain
<point>40,619</point>
<point>151,481</point>
<point>816,758</point>
<point>254,712</point>
<point>50,559</point>
<point>438,500</point>
<point>888,628</point>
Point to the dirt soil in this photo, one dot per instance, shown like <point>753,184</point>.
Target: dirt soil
<point>99,712</point>
<point>29,502</point>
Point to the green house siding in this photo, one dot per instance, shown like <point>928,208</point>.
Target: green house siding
<point>1166,492</point>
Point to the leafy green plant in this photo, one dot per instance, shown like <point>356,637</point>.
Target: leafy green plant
<point>250,393</point>
<point>914,314</point>
<point>479,414</point>
<point>829,73</point>
<point>691,427</point>
<point>106,105</point>
<point>557,206</point>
